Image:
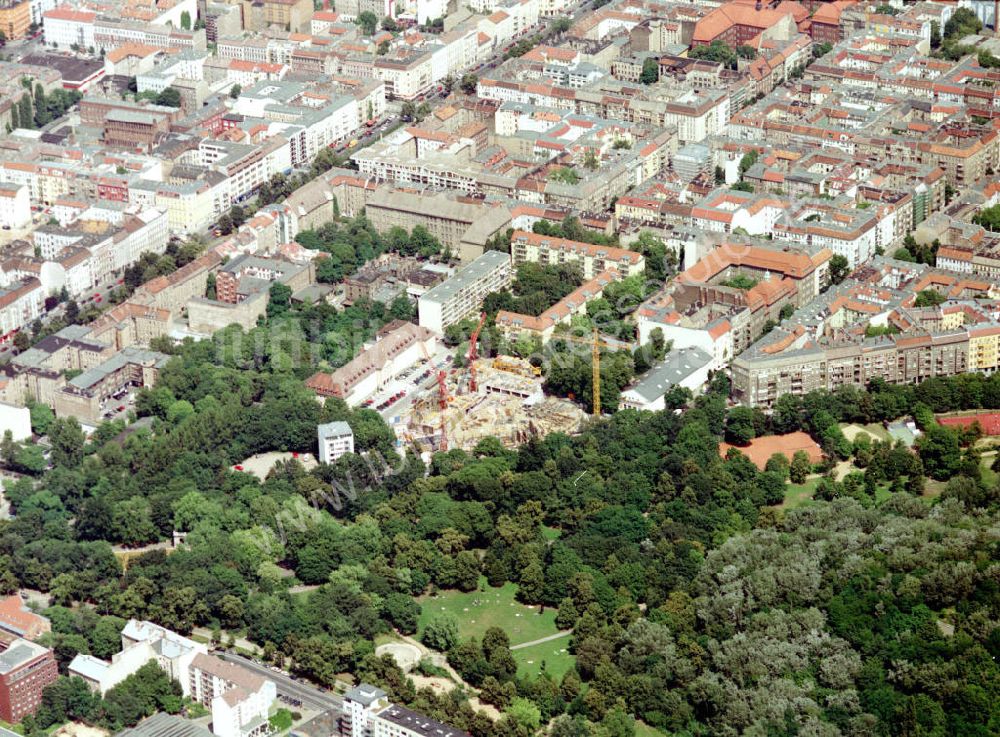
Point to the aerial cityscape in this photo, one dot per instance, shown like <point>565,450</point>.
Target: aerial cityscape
<point>500,368</point>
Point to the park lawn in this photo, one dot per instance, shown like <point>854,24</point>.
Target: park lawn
<point>874,429</point>
<point>933,488</point>
<point>990,476</point>
<point>550,533</point>
<point>281,720</point>
<point>555,654</point>
<point>797,495</point>
<point>477,611</point>
<point>300,597</point>
<point>644,730</point>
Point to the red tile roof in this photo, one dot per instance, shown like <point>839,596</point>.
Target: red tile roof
<point>17,619</point>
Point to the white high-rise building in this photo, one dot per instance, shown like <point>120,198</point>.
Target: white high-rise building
<point>462,295</point>
<point>335,439</point>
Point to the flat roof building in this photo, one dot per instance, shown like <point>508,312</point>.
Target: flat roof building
<point>165,725</point>
<point>368,713</point>
<point>461,296</point>
<point>25,670</point>
<point>335,439</point>
<point>684,367</point>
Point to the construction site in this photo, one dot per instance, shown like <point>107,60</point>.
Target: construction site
<point>505,401</point>
<point>495,397</point>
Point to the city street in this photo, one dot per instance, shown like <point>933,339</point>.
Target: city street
<point>289,689</point>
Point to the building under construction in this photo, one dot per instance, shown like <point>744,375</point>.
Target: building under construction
<point>507,403</point>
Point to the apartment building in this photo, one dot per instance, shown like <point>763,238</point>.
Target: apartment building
<point>15,206</point>
<point>15,18</point>
<point>984,348</point>
<point>131,323</point>
<point>515,324</point>
<point>827,344</point>
<point>20,304</point>
<point>335,439</point>
<point>142,641</point>
<point>240,700</point>
<point>463,225</point>
<point>462,295</point>
<point>397,347</point>
<point>759,378</point>
<point>65,27</point>
<point>406,75</point>
<point>70,349</point>
<point>592,259</point>
<point>368,713</point>
<point>25,670</point>
<point>173,292</point>
<point>112,33</point>
<point>83,396</point>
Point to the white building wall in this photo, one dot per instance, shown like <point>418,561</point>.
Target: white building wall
<point>15,419</point>
<point>15,207</point>
<point>64,33</point>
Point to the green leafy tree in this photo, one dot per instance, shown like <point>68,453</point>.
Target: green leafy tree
<point>929,298</point>
<point>441,633</point>
<point>839,268</point>
<point>170,97</point>
<point>650,71</point>
<point>367,22</point>
<point>279,300</point>
<point>469,83</point>
<point>800,467</point>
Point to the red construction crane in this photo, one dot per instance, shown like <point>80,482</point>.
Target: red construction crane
<point>442,396</point>
<point>473,354</point>
<point>443,404</point>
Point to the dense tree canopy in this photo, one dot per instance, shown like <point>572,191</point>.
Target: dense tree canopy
<point>696,604</point>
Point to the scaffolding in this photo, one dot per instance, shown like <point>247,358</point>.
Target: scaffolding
<point>507,405</point>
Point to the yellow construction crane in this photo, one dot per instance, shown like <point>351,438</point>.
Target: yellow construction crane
<point>596,344</point>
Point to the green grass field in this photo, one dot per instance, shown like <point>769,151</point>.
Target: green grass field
<point>796,495</point>
<point>554,654</point>
<point>281,720</point>
<point>989,475</point>
<point>477,611</point>
<point>644,730</point>
<point>550,533</point>
<point>932,488</point>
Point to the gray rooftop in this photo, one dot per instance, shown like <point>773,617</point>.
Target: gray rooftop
<point>678,366</point>
<point>165,725</point>
<point>365,694</point>
<point>128,355</point>
<point>418,723</point>
<point>19,653</point>
<point>481,267</point>
<point>333,430</point>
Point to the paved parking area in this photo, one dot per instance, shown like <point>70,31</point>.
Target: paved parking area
<point>395,398</point>
<point>119,404</point>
